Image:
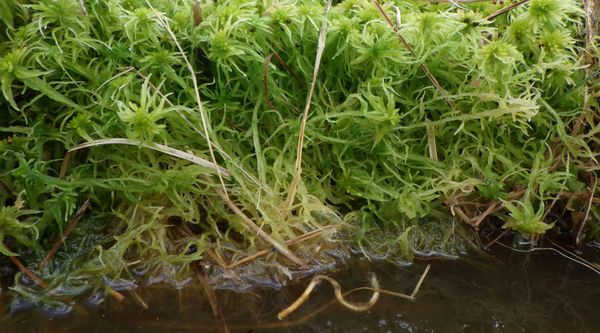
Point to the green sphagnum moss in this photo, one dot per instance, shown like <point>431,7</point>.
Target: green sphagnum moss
<point>385,158</point>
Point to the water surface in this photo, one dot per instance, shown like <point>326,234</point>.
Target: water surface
<point>507,292</point>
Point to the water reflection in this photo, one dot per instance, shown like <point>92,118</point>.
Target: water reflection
<point>514,292</point>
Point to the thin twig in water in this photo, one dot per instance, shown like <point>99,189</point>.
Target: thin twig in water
<point>197,325</point>
<point>496,239</point>
<point>575,258</point>
<point>340,297</point>
<point>298,166</point>
<point>139,299</point>
<point>595,265</point>
<point>115,294</point>
<point>72,224</point>
<point>420,282</point>
<point>212,298</point>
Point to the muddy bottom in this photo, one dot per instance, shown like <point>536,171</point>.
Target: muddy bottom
<point>509,292</point>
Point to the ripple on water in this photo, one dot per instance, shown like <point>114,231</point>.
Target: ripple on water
<point>56,309</point>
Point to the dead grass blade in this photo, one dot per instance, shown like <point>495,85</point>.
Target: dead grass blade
<point>4,187</point>
<point>298,166</point>
<point>196,93</point>
<point>201,133</point>
<point>431,142</point>
<point>154,146</point>
<point>266,80</point>
<point>83,9</point>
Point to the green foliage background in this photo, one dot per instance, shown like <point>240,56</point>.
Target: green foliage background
<point>383,149</point>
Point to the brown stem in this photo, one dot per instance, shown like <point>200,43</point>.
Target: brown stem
<point>505,10</point>
<point>212,297</point>
<point>29,273</point>
<point>423,66</point>
<point>579,236</point>
<point>72,224</point>
<point>261,253</point>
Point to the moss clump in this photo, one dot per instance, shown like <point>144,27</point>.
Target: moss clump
<point>384,148</point>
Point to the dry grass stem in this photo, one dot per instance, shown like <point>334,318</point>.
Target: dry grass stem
<point>431,143</point>
<point>154,146</point>
<point>83,9</point>
<point>201,133</point>
<point>197,10</point>
<point>115,295</point>
<point>259,232</point>
<point>299,239</point>
<point>590,58</point>
<point>298,165</point>
<point>190,68</point>
<point>139,299</point>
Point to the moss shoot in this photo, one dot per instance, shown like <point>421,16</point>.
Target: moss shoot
<point>181,120</point>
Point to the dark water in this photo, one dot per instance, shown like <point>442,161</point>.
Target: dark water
<point>511,292</point>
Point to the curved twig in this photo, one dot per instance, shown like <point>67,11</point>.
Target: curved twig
<point>361,307</point>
